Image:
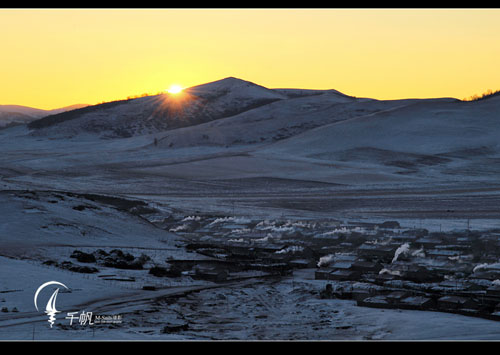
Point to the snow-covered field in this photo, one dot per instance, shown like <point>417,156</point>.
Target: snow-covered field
<point>235,149</point>
<point>284,310</point>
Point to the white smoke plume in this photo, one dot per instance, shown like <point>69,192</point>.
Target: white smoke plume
<point>486,266</point>
<point>325,260</point>
<point>230,219</point>
<point>182,227</point>
<point>419,253</point>
<point>191,218</point>
<point>403,249</point>
<point>290,249</point>
<point>390,272</point>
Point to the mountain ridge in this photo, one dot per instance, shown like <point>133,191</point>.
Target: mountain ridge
<point>236,129</point>
<point>198,104</point>
<point>12,115</point>
<point>319,124</point>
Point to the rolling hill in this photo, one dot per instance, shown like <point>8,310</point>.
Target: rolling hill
<point>232,128</point>
<point>12,115</point>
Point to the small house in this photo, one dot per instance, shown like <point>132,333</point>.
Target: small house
<point>341,265</point>
<point>366,266</point>
<point>322,274</point>
<point>427,243</point>
<point>395,297</point>
<point>375,251</point>
<point>493,290</point>
<point>378,301</point>
<point>421,274</point>
<point>344,275</point>
<point>455,303</point>
<point>443,253</point>
<point>417,302</point>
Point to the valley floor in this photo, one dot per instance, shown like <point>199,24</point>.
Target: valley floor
<point>49,226</point>
<point>130,208</point>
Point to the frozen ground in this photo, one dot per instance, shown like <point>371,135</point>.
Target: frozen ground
<point>259,154</point>
<point>249,310</point>
<point>35,229</point>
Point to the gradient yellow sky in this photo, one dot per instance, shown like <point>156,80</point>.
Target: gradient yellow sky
<point>56,57</point>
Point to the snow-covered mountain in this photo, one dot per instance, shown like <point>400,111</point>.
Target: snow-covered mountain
<point>224,106</point>
<point>12,115</point>
<point>409,136</point>
<point>162,112</point>
<point>305,132</point>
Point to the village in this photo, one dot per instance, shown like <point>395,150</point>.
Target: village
<point>381,265</point>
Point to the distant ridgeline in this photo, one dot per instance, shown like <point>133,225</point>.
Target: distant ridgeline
<point>486,95</point>
<point>69,115</point>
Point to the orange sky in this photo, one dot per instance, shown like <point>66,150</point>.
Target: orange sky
<point>57,57</point>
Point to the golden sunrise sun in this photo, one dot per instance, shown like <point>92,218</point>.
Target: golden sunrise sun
<point>174,89</point>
